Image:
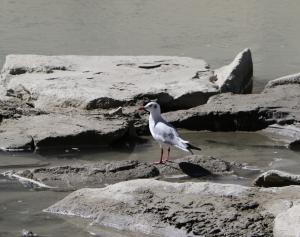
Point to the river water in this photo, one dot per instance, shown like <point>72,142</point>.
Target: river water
<point>214,30</point>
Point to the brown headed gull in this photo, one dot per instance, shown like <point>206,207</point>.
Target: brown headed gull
<point>164,133</point>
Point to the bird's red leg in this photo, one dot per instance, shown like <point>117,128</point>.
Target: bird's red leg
<point>161,157</point>
<point>169,149</point>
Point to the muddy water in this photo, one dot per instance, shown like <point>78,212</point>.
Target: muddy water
<point>21,208</point>
<point>214,30</point>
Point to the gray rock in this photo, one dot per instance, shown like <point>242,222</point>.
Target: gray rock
<point>197,166</point>
<point>170,209</point>
<point>276,178</point>
<point>16,141</point>
<point>61,130</point>
<point>237,76</point>
<point>98,174</point>
<point>104,82</point>
<point>14,108</point>
<point>289,79</point>
<point>287,224</point>
<point>28,233</point>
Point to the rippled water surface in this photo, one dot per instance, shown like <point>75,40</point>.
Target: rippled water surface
<point>211,29</point>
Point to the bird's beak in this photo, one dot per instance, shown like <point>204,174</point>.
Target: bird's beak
<point>142,108</point>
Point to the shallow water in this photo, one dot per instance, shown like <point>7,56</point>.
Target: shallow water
<point>21,208</point>
<point>214,30</point>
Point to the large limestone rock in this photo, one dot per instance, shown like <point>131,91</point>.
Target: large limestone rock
<point>47,100</point>
<point>104,82</point>
<point>161,208</point>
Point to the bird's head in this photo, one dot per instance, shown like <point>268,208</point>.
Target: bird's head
<point>151,107</point>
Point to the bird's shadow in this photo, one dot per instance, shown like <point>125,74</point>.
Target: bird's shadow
<point>191,169</point>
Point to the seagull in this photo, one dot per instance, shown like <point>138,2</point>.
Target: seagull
<point>164,133</point>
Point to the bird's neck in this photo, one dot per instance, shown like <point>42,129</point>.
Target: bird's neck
<point>155,117</point>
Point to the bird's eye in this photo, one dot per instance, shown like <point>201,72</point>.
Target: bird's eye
<point>154,106</point>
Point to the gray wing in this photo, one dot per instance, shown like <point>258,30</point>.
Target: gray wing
<point>167,134</point>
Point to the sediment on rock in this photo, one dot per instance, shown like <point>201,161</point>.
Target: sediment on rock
<point>100,173</point>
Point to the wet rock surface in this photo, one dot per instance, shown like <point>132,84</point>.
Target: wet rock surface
<point>102,173</point>
<point>177,209</point>
<point>276,178</point>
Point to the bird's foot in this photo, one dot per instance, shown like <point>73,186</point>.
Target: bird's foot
<point>159,162</point>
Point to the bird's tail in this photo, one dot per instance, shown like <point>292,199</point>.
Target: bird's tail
<point>191,147</point>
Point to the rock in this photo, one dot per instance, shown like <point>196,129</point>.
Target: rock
<point>170,209</point>
<point>276,178</point>
<point>16,141</point>
<point>60,130</point>
<point>197,166</point>
<point>290,79</point>
<point>28,233</point>
<point>106,82</point>
<point>237,76</point>
<point>278,206</point>
<point>15,108</point>
<point>94,174</point>
<point>287,224</point>
<point>48,101</point>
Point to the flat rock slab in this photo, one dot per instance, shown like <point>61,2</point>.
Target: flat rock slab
<point>103,82</point>
<point>102,173</point>
<point>276,178</point>
<point>60,130</point>
<point>178,209</point>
